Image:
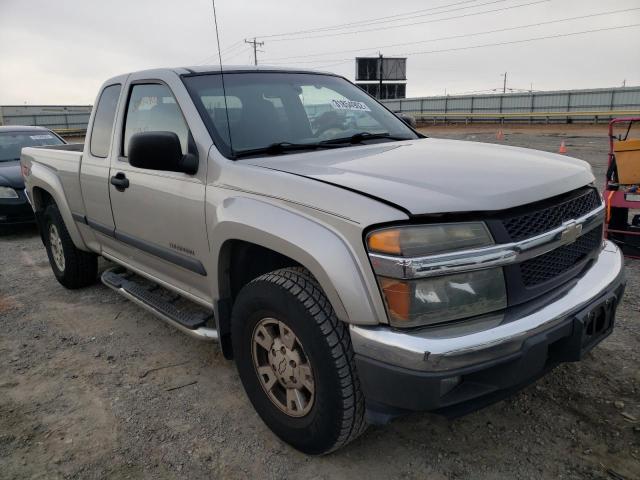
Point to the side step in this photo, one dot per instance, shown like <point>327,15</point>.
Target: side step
<point>170,307</point>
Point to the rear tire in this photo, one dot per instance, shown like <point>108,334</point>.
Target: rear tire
<point>72,267</point>
<point>287,309</point>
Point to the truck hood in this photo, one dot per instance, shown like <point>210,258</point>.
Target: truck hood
<point>10,175</point>
<point>430,175</point>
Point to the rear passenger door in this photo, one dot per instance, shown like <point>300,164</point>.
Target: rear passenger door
<point>160,225</point>
<point>94,169</point>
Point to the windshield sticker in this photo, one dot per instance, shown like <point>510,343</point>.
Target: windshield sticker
<point>350,105</point>
<point>40,137</point>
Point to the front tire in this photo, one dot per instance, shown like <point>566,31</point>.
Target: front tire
<point>72,267</point>
<point>296,362</point>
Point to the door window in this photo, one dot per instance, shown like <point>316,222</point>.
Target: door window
<point>152,108</point>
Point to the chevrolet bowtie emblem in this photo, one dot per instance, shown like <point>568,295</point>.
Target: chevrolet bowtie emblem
<point>571,232</point>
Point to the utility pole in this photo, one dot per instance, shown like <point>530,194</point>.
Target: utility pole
<point>255,44</point>
<point>504,84</point>
<point>380,69</point>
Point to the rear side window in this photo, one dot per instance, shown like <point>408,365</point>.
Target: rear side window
<point>103,121</point>
<point>152,108</point>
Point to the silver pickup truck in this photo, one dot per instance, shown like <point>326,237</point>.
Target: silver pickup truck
<point>353,269</point>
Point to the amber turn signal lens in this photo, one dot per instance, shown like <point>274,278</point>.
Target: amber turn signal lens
<point>385,241</point>
<point>398,297</point>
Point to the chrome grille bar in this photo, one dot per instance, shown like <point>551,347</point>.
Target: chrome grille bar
<point>486,257</point>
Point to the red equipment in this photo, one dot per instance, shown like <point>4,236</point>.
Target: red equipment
<point>622,189</point>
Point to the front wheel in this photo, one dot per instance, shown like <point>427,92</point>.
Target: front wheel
<point>296,362</point>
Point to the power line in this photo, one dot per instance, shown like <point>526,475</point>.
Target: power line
<point>374,21</point>
<point>512,42</point>
<point>389,18</point>
<point>223,51</point>
<point>388,27</point>
<point>337,62</point>
<point>453,37</point>
<point>385,19</point>
<point>473,47</point>
<point>234,55</point>
<point>235,46</point>
<point>240,52</point>
<point>342,26</point>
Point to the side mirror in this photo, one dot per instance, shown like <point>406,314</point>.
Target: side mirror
<point>408,119</point>
<point>160,151</point>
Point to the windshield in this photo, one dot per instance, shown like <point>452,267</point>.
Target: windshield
<point>290,109</point>
<point>11,143</point>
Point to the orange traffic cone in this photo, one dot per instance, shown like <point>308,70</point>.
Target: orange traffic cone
<point>500,135</point>
<point>563,148</point>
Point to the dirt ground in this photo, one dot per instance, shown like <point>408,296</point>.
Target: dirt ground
<point>91,386</point>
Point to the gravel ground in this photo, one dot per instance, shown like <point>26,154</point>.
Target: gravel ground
<point>94,387</point>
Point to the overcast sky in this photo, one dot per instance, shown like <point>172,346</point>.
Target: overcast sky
<point>60,52</point>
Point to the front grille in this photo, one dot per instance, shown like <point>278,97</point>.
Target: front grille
<point>548,266</point>
<point>547,218</point>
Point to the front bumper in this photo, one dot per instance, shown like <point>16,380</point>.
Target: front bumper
<point>16,211</point>
<point>460,367</point>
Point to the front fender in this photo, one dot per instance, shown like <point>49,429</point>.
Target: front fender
<point>44,178</point>
<point>324,253</point>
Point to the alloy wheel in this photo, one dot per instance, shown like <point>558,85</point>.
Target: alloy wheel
<point>55,243</point>
<point>284,370</point>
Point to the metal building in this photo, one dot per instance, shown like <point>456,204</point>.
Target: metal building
<point>61,118</point>
<point>567,106</point>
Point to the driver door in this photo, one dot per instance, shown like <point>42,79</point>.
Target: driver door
<point>159,216</point>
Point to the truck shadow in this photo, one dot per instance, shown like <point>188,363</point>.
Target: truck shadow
<point>17,232</point>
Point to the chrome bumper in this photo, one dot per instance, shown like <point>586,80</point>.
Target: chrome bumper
<point>485,339</point>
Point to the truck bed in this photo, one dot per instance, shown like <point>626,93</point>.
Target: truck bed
<point>64,162</point>
<point>69,147</point>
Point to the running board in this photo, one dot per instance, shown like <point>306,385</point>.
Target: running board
<point>191,319</point>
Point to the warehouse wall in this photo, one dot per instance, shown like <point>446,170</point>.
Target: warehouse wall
<point>61,118</point>
<point>561,106</point>
<point>591,105</point>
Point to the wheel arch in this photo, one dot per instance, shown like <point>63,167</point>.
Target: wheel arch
<point>40,199</point>
<point>45,189</point>
<point>286,238</point>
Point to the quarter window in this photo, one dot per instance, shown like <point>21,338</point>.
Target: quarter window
<point>152,108</point>
<point>103,121</point>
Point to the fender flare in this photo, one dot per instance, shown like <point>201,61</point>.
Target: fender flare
<point>45,179</point>
<point>324,253</point>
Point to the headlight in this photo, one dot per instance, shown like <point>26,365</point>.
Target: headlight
<point>439,296</point>
<point>414,241</point>
<point>412,303</point>
<point>8,192</point>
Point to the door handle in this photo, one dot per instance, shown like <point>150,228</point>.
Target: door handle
<point>120,181</point>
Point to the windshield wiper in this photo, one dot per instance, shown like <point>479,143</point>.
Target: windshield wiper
<point>359,137</point>
<point>279,148</point>
<point>282,147</point>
